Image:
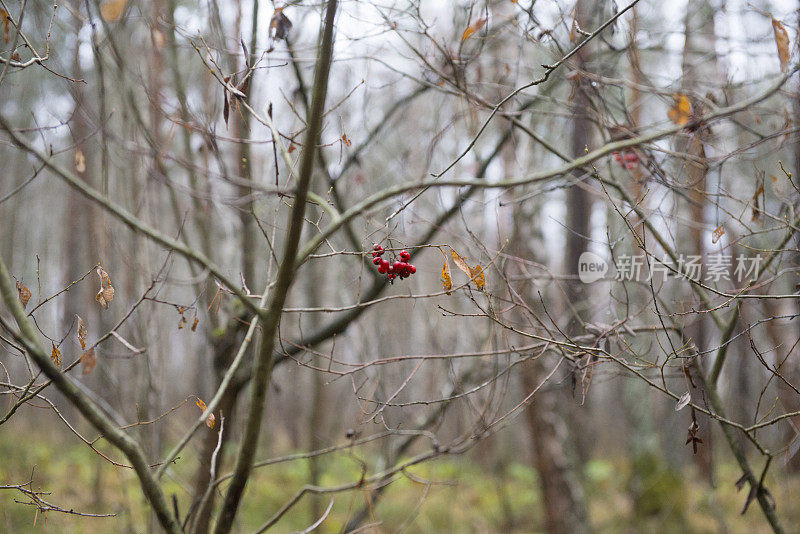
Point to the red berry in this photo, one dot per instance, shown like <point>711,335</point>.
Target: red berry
<point>376,261</point>
<point>413,269</point>
<point>404,255</point>
<point>385,265</point>
<point>397,265</point>
<point>377,247</point>
<point>617,156</point>
<point>382,269</point>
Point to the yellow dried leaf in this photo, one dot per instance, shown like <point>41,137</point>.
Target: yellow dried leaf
<point>476,274</point>
<point>24,294</point>
<point>181,322</point>
<point>782,42</point>
<point>111,10</point>
<point>472,28</point>
<point>194,324</point>
<point>55,356</point>
<point>719,232</point>
<point>447,281</point>
<point>461,262</point>
<point>210,420</point>
<point>80,161</point>
<point>88,361</point>
<point>82,333</point>
<point>6,24</point>
<point>681,111</point>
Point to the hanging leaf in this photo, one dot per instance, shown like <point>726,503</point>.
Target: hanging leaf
<point>111,10</point>
<point>782,42</point>
<point>719,232</point>
<point>82,333</point>
<point>55,356</point>
<point>194,324</point>
<point>80,161</point>
<point>683,401</point>
<point>472,28</point>
<point>210,420</point>
<point>6,24</point>
<point>447,281</point>
<point>226,109</point>
<point>757,213</point>
<point>182,322</point>
<point>476,273</point>
<point>88,361</point>
<point>345,140</point>
<point>24,294</point>
<point>279,25</point>
<point>681,111</point>
<point>106,293</point>
<point>461,262</point>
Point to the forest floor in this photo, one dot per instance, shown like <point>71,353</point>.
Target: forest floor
<point>462,497</point>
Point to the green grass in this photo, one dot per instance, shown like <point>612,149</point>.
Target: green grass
<point>453,494</point>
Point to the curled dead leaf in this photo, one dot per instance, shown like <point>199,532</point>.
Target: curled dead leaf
<point>447,281</point>
<point>6,24</point>
<point>279,25</point>
<point>782,42</point>
<point>194,324</point>
<point>80,161</point>
<point>460,261</point>
<point>88,361</point>
<point>24,294</point>
<point>476,273</point>
<point>472,28</point>
<point>681,111</point>
<point>55,356</point>
<point>210,420</point>
<point>106,293</point>
<point>683,401</point>
<point>82,333</point>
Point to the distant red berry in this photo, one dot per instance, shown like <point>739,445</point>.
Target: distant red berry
<point>376,261</point>
<point>404,255</point>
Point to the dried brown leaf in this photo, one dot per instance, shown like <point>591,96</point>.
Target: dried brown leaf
<point>782,42</point>
<point>447,281</point>
<point>476,273</point>
<point>88,361</point>
<point>279,25</point>
<point>681,111</point>
<point>472,28</point>
<point>24,294</point>
<point>80,161</point>
<point>106,293</point>
<point>82,333</point>
<point>683,401</point>
<point>6,24</point>
<point>461,262</point>
<point>55,356</point>
<point>210,420</point>
<point>111,10</point>
<point>194,324</point>
<point>719,232</point>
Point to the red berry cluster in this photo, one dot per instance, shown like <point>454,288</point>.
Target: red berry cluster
<point>398,268</point>
<point>629,160</point>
